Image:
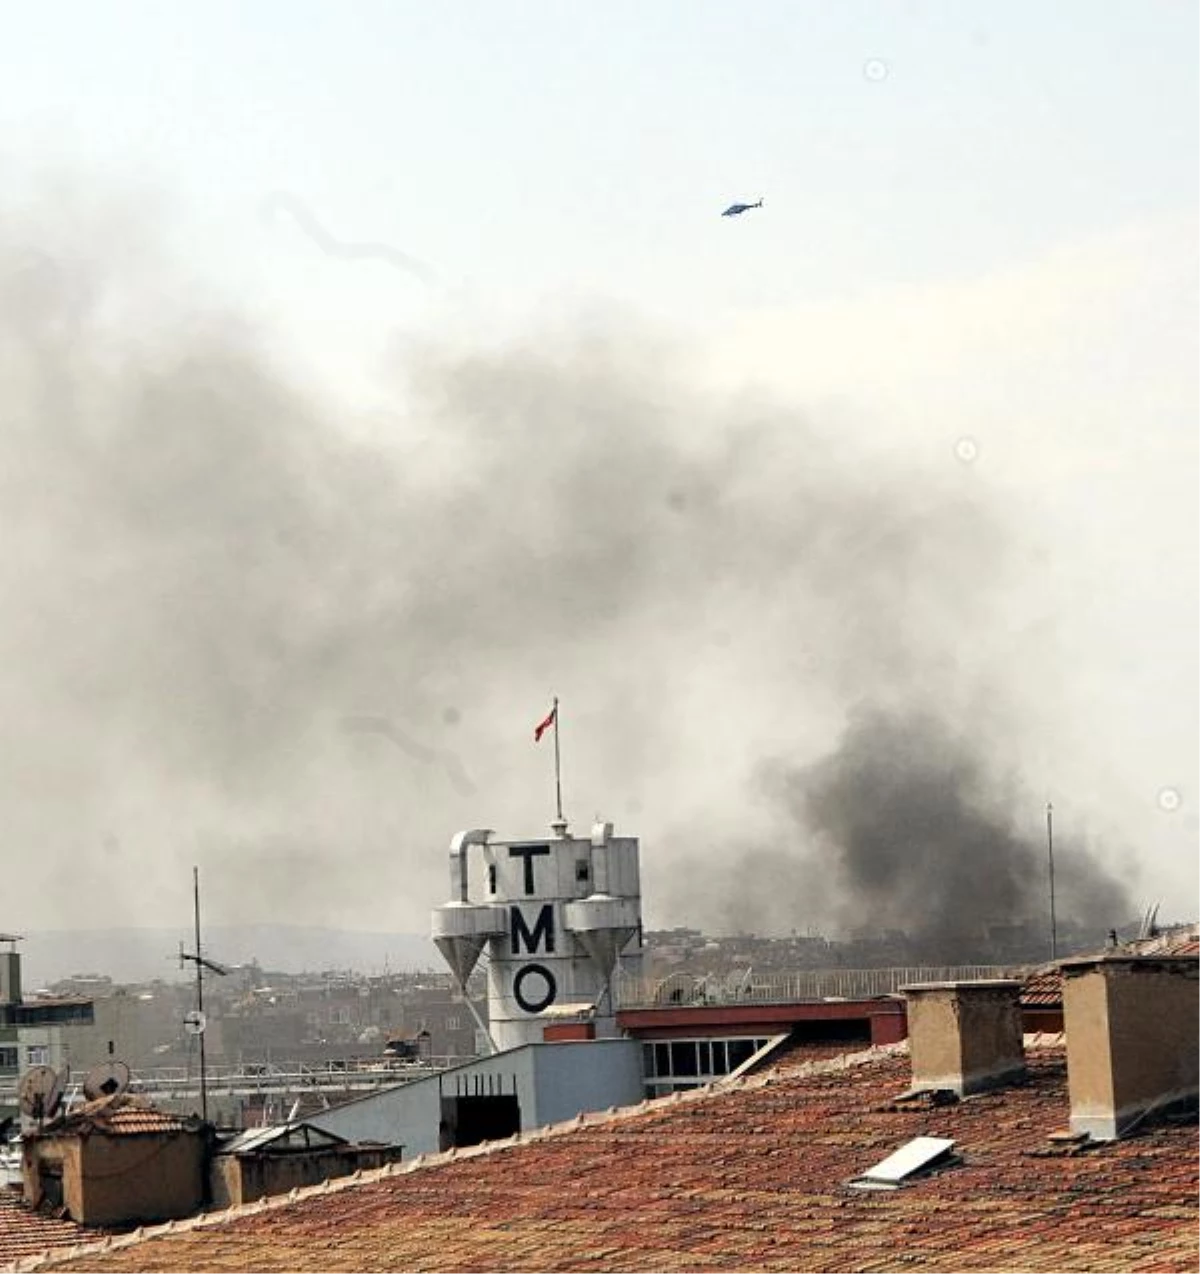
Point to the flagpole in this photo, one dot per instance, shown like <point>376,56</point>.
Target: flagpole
<point>557,765</point>
<point>1050,852</point>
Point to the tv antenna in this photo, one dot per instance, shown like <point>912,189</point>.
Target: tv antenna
<point>195,1022</point>
<point>1149,925</point>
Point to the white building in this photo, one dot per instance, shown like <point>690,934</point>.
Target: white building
<point>554,918</point>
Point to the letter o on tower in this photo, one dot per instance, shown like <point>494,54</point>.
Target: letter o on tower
<point>547,994</point>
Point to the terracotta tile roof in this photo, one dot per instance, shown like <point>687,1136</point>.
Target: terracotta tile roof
<point>120,1116</point>
<point>1169,944</point>
<point>1043,989</point>
<point>751,1176</point>
<point>131,1120</point>
<point>25,1233</point>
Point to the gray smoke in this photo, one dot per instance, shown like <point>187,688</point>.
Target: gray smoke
<point>235,635</point>
<point>920,837</point>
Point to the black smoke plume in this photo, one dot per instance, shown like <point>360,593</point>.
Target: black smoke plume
<point>918,836</point>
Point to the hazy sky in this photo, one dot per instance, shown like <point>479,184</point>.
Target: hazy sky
<point>968,307</point>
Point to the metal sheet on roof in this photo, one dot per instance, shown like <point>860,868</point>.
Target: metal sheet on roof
<point>913,1156</point>
<point>301,1136</point>
<point>583,1008</point>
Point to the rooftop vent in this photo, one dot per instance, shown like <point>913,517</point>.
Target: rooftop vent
<point>1131,1026</point>
<point>915,1158</point>
<point>965,1037</point>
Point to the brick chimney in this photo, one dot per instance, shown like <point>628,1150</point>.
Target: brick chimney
<point>1131,1025</point>
<point>965,1037</point>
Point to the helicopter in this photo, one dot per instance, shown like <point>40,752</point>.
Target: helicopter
<point>736,209</point>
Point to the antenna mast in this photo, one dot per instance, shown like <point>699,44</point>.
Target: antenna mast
<point>200,993</point>
<point>201,964</point>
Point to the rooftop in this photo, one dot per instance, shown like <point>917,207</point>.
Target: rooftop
<point>751,1175</point>
<point>25,1233</point>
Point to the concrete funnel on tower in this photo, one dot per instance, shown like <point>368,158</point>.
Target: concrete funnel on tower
<point>603,926</point>
<point>460,931</point>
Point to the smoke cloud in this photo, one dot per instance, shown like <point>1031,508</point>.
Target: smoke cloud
<point>235,634</point>
<point>921,837</point>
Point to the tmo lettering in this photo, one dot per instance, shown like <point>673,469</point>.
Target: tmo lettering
<point>542,931</point>
<point>533,999</point>
<point>528,853</point>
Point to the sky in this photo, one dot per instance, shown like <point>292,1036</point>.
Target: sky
<point>375,372</point>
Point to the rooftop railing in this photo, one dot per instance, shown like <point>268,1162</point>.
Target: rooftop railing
<point>248,1079</point>
<point>745,986</point>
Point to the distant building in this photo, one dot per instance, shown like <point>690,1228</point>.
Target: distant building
<point>442,1015</point>
<point>33,1032</point>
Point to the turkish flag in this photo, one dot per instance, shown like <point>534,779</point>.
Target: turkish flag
<point>546,724</point>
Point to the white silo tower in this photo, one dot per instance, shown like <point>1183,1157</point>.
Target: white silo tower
<point>558,917</point>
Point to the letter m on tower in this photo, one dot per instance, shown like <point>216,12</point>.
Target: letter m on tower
<point>543,929</point>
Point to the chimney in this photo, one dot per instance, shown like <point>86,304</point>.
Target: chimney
<point>1131,1025</point>
<point>965,1037</point>
<point>10,970</point>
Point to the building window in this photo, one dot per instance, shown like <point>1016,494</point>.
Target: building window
<point>683,1058</point>
<point>741,1051</point>
<point>37,1055</point>
<point>583,872</point>
<point>8,1059</point>
<point>453,1023</point>
<point>680,1064</point>
<point>491,878</point>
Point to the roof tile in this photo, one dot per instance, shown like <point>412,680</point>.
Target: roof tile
<point>25,1233</point>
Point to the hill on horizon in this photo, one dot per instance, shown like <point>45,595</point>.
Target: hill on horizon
<point>143,955</point>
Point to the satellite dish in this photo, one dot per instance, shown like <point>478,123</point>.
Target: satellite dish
<point>39,1093</point>
<point>195,1022</point>
<point>676,988</point>
<point>106,1080</point>
<point>739,983</point>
